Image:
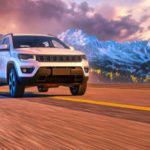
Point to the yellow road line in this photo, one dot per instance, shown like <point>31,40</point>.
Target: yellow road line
<point>103,103</point>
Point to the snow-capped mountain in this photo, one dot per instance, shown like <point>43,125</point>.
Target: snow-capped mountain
<point>128,57</point>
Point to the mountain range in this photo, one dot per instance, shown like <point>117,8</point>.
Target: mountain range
<point>130,57</point>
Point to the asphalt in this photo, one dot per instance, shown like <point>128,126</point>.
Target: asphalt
<point>115,117</point>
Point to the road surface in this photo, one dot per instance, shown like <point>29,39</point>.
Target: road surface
<point>107,117</point>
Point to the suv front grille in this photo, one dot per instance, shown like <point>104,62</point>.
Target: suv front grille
<point>58,58</point>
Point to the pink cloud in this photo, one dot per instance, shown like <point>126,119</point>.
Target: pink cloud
<point>48,16</point>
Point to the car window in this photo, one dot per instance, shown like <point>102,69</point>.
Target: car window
<point>37,41</point>
<point>5,41</point>
<point>57,44</point>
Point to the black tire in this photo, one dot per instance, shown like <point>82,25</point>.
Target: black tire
<point>42,89</point>
<point>78,89</point>
<point>16,89</point>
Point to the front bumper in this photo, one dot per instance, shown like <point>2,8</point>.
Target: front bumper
<point>55,76</point>
<point>37,65</point>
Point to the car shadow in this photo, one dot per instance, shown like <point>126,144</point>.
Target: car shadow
<point>5,95</point>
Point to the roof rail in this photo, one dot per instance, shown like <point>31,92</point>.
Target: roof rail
<point>51,35</point>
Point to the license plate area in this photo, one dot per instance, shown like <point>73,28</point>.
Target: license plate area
<point>61,71</point>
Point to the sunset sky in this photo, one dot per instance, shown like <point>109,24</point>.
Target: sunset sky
<point>119,20</point>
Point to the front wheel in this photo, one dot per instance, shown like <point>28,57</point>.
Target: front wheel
<point>78,89</point>
<point>16,90</point>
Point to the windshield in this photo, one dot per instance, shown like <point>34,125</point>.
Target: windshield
<point>37,41</point>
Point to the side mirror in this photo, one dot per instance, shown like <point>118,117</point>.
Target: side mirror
<point>4,47</point>
<point>72,48</point>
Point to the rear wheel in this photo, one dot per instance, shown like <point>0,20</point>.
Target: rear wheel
<point>16,90</point>
<point>42,89</point>
<point>78,89</point>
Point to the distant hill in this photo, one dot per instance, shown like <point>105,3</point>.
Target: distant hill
<point>131,57</point>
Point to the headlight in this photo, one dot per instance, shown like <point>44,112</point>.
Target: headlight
<point>25,56</point>
<point>84,57</point>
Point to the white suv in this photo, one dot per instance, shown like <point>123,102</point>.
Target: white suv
<point>43,61</point>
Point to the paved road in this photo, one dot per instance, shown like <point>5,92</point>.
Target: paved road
<point>108,117</point>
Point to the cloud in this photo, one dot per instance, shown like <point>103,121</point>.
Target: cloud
<point>145,18</point>
<point>31,16</point>
<point>125,2</point>
<point>48,16</point>
<point>104,28</point>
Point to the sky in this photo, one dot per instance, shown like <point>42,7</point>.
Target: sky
<point>120,20</point>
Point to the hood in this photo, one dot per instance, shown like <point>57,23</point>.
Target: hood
<point>48,51</point>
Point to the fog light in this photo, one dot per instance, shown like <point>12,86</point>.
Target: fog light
<point>86,69</point>
<point>24,70</point>
<point>27,70</point>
